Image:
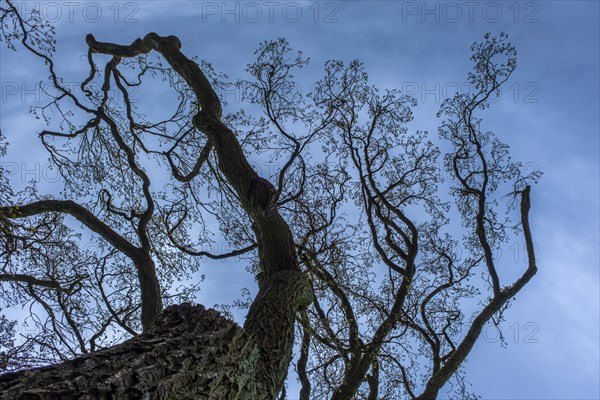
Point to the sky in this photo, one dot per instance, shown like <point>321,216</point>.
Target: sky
<point>548,114</point>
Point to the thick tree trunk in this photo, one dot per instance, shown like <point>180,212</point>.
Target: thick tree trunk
<point>188,353</point>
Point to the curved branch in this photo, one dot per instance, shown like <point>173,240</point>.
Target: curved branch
<point>453,362</point>
<point>77,211</point>
<point>33,281</point>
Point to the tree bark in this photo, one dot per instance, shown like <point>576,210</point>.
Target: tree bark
<point>188,353</point>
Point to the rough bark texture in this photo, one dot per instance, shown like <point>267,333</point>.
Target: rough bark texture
<point>270,321</point>
<point>188,353</point>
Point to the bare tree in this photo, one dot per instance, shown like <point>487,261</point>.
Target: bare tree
<point>358,264</point>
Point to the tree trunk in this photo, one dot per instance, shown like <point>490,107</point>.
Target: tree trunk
<point>188,353</point>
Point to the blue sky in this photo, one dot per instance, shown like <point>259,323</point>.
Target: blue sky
<point>548,114</point>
